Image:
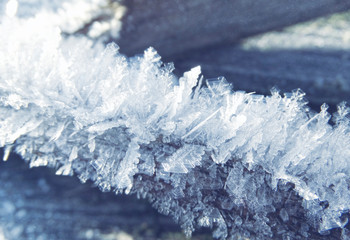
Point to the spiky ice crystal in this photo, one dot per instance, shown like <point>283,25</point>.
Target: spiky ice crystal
<point>198,151</point>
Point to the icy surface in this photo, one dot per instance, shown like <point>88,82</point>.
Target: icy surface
<point>200,152</point>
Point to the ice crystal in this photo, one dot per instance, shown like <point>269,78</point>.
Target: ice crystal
<point>199,151</point>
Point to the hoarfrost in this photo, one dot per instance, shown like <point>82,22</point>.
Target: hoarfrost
<point>199,151</point>
<point>96,18</point>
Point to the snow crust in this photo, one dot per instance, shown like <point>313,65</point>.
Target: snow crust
<point>205,154</point>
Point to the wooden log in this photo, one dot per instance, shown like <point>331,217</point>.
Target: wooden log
<point>173,27</point>
<point>323,76</point>
<point>37,204</point>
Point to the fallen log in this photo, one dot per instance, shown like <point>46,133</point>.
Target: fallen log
<point>173,27</point>
<point>323,76</point>
<point>37,204</point>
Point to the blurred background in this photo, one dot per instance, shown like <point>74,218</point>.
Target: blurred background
<point>255,45</point>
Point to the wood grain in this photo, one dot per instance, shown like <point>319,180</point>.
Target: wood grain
<point>323,75</point>
<point>174,27</point>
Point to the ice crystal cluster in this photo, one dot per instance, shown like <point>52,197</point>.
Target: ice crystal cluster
<point>199,151</point>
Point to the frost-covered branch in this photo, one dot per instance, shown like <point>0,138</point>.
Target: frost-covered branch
<point>200,152</point>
